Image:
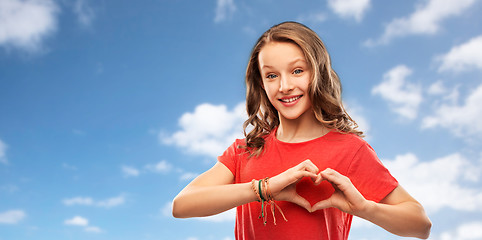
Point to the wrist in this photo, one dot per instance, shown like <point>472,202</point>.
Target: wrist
<point>368,209</point>
<point>255,190</point>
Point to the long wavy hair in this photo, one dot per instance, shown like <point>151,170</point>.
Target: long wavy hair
<point>324,90</point>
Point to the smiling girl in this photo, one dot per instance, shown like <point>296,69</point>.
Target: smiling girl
<point>303,171</point>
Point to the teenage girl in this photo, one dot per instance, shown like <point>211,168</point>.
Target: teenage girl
<point>303,170</point>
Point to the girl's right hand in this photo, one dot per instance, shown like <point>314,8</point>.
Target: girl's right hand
<point>283,185</point>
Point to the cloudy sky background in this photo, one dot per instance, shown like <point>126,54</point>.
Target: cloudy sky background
<point>109,108</point>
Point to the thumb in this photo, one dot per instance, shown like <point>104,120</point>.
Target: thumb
<point>318,179</point>
<point>322,205</point>
<point>302,202</point>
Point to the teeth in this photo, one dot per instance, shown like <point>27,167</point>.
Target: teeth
<point>288,100</point>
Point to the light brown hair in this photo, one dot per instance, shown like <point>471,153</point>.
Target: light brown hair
<point>324,90</point>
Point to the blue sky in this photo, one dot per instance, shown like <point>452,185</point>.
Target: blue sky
<point>109,108</point>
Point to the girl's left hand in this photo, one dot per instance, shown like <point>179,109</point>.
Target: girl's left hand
<point>346,197</point>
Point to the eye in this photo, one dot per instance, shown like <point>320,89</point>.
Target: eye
<point>297,71</point>
<point>271,76</point>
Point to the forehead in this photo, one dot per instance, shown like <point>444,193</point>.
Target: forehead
<point>279,54</point>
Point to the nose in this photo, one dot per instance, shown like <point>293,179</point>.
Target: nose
<point>285,85</point>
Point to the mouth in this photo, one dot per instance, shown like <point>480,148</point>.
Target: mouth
<point>290,99</point>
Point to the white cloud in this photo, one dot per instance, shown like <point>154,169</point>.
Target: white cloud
<point>160,167</point>
<point>437,88</point>
<point>441,183</point>
<point>85,14</point>
<point>88,201</point>
<point>93,229</point>
<point>26,23</point>
<point>466,231</point>
<point>78,201</point>
<point>462,120</point>
<point>349,8</point>
<point>12,216</point>
<point>77,221</point>
<point>224,10</point>
<point>443,93</point>
<point>111,202</point>
<point>130,171</point>
<point>209,130</point>
<point>403,97</point>
<point>462,57</point>
<point>3,152</point>
<point>424,21</point>
<point>82,222</point>
<point>312,17</point>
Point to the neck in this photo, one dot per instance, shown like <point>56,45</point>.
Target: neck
<point>304,128</point>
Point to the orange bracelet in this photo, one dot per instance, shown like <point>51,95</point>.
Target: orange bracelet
<point>263,189</point>
<point>271,202</point>
<point>253,186</point>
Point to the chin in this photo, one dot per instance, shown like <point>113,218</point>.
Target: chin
<point>296,115</point>
<point>293,116</point>
<point>290,117</point>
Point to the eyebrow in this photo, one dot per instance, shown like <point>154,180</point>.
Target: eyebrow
<point>289,64</point>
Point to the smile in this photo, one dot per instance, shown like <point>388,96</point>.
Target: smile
<point>291,99</point>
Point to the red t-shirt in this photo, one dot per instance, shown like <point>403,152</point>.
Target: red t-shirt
<point>346,153</point>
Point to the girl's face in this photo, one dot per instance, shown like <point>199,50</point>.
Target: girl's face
<point>286,77</point>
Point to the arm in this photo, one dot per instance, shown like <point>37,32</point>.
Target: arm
<point>213,192</point>
<point>400,214</point>
<point>397,213</point>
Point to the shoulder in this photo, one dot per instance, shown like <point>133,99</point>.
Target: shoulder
<point>237,146</point>
<point>231,155</point>
<point>240,142</point>
<point>240,145</point>
<point>346,139</point>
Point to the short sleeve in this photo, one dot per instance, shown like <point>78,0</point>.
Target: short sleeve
<point>369,176</point>
<point>229,158</point>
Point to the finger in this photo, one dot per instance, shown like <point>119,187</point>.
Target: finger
<point>329,172</point>
<point>302,202</point>
<point>344,184</point>
<point>323,204</point>
<point>318,179</point>
<point>301,174</point>
<point>309,166</point>
<point>333,176</point>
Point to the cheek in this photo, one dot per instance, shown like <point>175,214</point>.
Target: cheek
<point>270,96</point>
<point>306,83</point>
<point>270,89</point>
